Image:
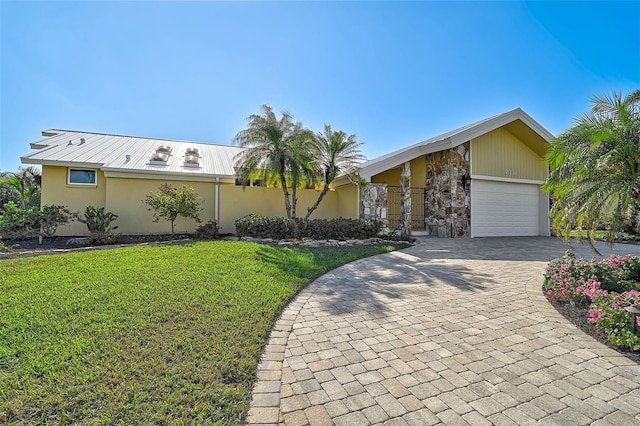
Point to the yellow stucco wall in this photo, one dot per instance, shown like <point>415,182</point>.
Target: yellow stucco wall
<point>499,153</point>
<point>348,202</point>
<point>125,198</point>
<point>236,202</point>
<point>418,174</point>
<point>76,198</point>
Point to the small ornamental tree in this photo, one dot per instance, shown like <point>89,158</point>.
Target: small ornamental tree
<point>168,203</point>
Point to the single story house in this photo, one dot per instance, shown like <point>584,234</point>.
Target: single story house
<point>480,180</point>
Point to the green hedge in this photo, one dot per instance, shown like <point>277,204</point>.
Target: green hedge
<point>280,228</point>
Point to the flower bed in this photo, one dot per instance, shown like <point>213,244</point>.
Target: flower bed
<point>606,287</point>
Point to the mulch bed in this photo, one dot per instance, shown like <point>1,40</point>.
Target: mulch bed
<point>32,246</point>
<point>578,316</point>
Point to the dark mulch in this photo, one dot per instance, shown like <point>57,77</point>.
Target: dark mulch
<point>61,243</point>
<point>578,315</point>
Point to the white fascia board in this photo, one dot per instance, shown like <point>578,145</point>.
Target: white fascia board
<point>496,123</point>
<point>537,127</point>
<point>153,174</point>
<point>28,160</point>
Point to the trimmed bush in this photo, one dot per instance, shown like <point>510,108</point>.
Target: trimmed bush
<point>207,231</point>
<point>280,228</point>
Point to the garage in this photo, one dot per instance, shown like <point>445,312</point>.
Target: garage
<point>502,209</point>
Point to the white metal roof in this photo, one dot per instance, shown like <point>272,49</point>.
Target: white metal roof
<point>118,153</point>
<point>450,140</point>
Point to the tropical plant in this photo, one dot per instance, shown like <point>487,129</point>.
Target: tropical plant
<point>277,150</point>
<point>22,187</point>
<point>594,176</point>
<point>24,223</point>
<point>19,223</point>
<point>99,223</point>
<point>334,153</point>
<point>53,216</point>
<point>168,203</point>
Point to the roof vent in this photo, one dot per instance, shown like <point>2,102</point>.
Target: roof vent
<point>164,148</point>
<point>81,141</point>
<point>192,151</point>
<point>70,143</point>
<point>127,157</point>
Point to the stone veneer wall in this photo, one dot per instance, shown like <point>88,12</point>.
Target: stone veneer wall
<point>373,201</point>
<point>448,195</point>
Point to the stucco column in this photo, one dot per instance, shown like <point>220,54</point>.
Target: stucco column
<point>405,195</point>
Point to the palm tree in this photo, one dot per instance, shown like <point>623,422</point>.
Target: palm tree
<point>594,176</point>
<point>276,149</point>
<point>25,183</point>
<point>335,153</point>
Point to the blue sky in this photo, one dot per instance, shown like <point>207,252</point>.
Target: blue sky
<point>394,73</point>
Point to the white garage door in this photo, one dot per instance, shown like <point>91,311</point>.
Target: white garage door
<point>501,209</point>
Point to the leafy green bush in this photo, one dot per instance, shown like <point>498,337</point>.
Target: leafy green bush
<point>51,217</point>
<point>97,220</point>
<point>256,226</point>
<point>395,236</point>
<point>18,223</point>
<point>607,311</point>
<point>26,223</point>
<point>207,231</point>
<point>280,228</point>
<point>168,203</point>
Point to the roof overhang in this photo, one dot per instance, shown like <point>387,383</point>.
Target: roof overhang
<point>516,121</point>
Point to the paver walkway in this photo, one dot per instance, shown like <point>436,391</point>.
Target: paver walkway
<point>446,332</point>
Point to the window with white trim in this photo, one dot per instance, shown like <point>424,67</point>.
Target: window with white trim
<point>82,177</point>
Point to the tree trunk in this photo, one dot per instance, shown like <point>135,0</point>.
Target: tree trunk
<point>317,203</point>
<point>172,228</point>
<point>294,201</point>
<point>285,192</point>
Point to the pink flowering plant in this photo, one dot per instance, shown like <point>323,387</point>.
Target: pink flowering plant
<point>564,280</point>
<point>607,286</point>
<point>622,327</point>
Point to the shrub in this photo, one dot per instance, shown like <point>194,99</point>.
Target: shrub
<point>97,220</point>
<point>280,228</point>
<point>168,203</point>
<point>25,223</point>
<point>207,231</point>
<point>566,278</point>
<point>18,223</point>
<point>395,236</point>
<point>608,285</point>
<point>607,311</point>
<point>51,217</point>
<point>256,226</point>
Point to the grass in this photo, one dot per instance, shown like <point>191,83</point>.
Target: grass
<point>601,235</point>
<point>168,334</point>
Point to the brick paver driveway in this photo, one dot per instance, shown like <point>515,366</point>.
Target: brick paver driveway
<point>450,332</point>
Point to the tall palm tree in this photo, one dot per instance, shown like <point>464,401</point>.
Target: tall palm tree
<point>276,149</point>
<point>594,166</point>
<point>334,153</point>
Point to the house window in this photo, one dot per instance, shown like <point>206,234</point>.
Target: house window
<point>82,177</point>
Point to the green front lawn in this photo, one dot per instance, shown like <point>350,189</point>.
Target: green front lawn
<point>154,334</point>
